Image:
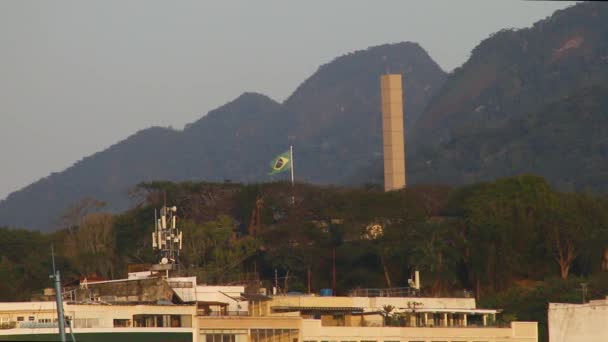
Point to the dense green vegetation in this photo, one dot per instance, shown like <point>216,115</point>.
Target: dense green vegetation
<point>516,243</point>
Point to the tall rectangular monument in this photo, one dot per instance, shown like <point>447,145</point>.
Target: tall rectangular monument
<point>392,132</point>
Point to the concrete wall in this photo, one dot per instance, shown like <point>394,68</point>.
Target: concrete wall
<point>184,287</point>
<point>578,322</point>
<point>312,301</point>
<point>126,290</point>
<point>424,303</point>
<point>214,294</point>
<point>374,303</point>
<point>104,314</point>
<point>312,330</point>
<point>249,323</point>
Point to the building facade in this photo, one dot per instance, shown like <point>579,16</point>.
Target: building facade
<point>203,313</point>
<point>578,322</point>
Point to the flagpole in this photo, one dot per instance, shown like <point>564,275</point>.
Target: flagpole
<point>293,197</point>
<point>291,156</point>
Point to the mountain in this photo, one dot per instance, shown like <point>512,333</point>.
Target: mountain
<point>332,119</point>
<point>517,72</point>
<point>565,141</point>
<point>529,100</point>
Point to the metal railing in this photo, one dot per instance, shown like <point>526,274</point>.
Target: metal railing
<point>221,313</point>
<point>387,292</point>
<point>38,325</point>
<point>406,292</point>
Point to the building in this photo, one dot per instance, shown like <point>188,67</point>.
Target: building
<point>388,319</point>
<point>202,313</point>
<point>392,132</point>
<point>578,322</point>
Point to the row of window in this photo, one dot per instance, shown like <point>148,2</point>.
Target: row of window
<point>382,341</point>
<point>171,321</point>
<point>22,319</point>
<point>40,320</point>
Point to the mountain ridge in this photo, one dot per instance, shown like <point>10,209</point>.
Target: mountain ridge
<point>236,141</point>
<point>480,121</point>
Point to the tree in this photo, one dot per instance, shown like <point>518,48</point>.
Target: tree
<point>571,225</point>
<point>500,228</point>
<point>210,250</point>
<point>435,250</point>
<point>91,245</point>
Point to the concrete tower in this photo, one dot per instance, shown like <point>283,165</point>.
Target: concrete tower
<point>392,132</point>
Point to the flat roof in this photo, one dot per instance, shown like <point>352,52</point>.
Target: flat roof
<point>318,308</point>
<point>471,311</point>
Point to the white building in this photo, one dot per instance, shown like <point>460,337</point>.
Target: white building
<point>201,313</point>
<point>579,322</point>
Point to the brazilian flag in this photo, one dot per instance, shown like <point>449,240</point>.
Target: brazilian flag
<point>281,163</point>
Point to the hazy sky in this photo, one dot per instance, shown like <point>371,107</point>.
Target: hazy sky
<point>78,76</point>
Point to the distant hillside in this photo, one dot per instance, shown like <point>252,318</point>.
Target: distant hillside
<point>516,72</point>
<point>531,100</point>
<point>565,141</point>
<point>332,119</point>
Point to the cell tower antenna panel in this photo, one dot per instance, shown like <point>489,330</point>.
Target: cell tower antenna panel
<point>167,237</point>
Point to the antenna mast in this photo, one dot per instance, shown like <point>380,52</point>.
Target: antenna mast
<point>58,297</point>
<point>166,239</point>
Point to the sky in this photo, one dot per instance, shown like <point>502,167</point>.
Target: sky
<point>79,76</point>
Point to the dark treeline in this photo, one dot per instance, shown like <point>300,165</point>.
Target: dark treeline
<point>514,243</point>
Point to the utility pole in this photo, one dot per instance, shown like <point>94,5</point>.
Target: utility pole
<point>58,298</point>
<point>333,276</point>
<point>584,292</point>
<point>293,190</point>
<point>276,282</point>
<point>309,275</point>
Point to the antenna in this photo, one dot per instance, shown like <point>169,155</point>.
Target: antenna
<point>53,257</point>
<point>58,297</point>
<point>386,68</point>
<point>167,239</point>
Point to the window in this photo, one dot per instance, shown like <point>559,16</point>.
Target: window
<point>86,323</point>
<point>223,335</point>
<point>44,320</point>
<point>273,335</point>
<point>122,323</point>
<point>31,318</point>
<point>166,321</point>
<point>20,319</point>
<point>220,338</point>
<point>180,284</point>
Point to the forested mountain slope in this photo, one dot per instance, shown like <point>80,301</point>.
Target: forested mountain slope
<point>332,119</point>
<point>531,100</point>
<point>517,72</point>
